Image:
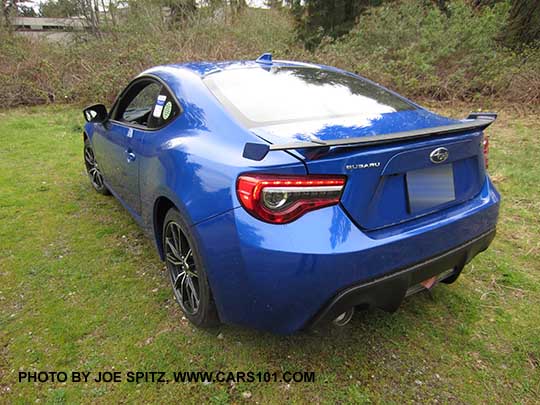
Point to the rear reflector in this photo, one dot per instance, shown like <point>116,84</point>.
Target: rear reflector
<point>280,199</point>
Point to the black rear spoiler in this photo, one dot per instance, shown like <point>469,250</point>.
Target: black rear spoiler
<point>476,121</point>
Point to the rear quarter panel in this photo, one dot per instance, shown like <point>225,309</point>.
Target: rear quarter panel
<point>196,160</point>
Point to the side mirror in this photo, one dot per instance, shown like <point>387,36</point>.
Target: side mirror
<point>96,113</point>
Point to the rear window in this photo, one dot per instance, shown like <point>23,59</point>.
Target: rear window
<point>260,97</point>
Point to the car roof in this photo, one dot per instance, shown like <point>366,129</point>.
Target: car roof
<point>205,68</point>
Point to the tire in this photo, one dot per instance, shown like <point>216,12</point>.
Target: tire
<point>92,169</point>
<point>186,271</point>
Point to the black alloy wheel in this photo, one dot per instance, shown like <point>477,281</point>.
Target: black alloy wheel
<point>186,272</point>
<point>92,168</point>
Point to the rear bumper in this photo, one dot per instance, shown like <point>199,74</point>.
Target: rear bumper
<point>282,277</point>
<point>389,291</point>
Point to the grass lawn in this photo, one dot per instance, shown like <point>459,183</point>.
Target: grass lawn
<point>82,289</point>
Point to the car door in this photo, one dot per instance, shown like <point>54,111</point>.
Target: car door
<point>122,138</point>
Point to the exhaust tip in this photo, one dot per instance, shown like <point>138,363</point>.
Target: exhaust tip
<point>344,318</point>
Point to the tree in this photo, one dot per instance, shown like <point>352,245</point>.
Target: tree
<point>273,3</point>
<point>98,14</point>
<point>61,8</point>
<point>441,5</point>
<point>13,8</point>
<point>8,10</point>
<point>26,11</point>
<point>484,3</point>
<point>237,6</point>
<point>523,27</point>
<point>180,9</point>
<point>319,18</point>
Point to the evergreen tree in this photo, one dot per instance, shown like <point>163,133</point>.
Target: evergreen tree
<point>333,18</point>
<point>523,26</point>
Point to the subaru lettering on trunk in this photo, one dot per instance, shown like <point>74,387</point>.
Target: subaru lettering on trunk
<point>362,165</point>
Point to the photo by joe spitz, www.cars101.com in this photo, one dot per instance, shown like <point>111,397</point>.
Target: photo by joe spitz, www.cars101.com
<point>283,194</point>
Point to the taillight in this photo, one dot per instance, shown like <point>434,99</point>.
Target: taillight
<point>485,144</point>
<point>280,199</point>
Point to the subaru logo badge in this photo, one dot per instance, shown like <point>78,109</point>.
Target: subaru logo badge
<point>439,155</point>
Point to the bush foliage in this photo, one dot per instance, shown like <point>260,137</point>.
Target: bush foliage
<point>422,51</point>
<point>408,45</point>
<point>90,69</point>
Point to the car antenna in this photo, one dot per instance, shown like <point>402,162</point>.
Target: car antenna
<point>265,59</point>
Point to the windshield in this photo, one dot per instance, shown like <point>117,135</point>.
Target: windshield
<point>260,97</point>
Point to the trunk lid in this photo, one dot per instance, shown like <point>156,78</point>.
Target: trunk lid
<point>395,182</point>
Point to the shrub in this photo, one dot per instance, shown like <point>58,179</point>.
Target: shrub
<point>408,45</point>
<point>419,51</point>
<point>90,69</point>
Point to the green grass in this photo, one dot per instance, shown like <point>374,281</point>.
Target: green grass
<point>82,289</point>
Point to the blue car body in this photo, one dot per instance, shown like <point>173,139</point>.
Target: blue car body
<point>285,277</point>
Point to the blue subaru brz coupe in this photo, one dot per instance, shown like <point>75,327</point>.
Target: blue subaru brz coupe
<point>283,194</point>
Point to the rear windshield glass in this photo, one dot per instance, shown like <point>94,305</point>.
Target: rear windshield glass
<point>259,96</point>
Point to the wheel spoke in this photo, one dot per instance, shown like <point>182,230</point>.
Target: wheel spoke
<point>173,260</point>
<point>196,299</point>
<point>174,252</point>
<point>176,240</point>
<point>185,258</point>
<point>191,273</point>
<point>89,159</point>
<point>192,294</point>
<point>183,286</point>
<point>178,277</point>
<point>190,299</point>
<point>188,255</point>
<point>93,173</point>
<point>178,285</point>
<point>99,179</point>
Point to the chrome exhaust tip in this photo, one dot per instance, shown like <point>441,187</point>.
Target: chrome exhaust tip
<point>344,318</point>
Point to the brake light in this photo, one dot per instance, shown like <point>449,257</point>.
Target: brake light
<point>485,144</point>
<point>280,199</point>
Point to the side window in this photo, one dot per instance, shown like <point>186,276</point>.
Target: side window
<point>137,104</point>
<point>164,111</point>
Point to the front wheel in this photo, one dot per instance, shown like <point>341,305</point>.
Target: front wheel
<point>93,170</point>
<point>186,272</point>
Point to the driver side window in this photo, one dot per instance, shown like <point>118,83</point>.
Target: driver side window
<point>136,106</point>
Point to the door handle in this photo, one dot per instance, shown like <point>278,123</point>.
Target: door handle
<point>130,155</point>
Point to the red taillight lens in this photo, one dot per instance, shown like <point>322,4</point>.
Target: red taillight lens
<point>280,199</point>
<point>485,144</point>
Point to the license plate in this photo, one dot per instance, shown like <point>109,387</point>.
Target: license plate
<point>428,188</point>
